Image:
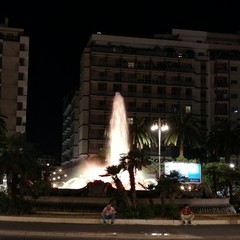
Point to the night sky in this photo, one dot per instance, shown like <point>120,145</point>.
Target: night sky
<point>58,32</point>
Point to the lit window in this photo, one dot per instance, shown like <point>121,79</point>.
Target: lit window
<point>188,109</point>
<point>130,64</point>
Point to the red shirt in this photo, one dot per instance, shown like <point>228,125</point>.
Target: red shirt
<point>186,211</point>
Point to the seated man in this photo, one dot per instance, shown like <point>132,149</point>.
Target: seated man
<point>186,214</point>
<point>108,212</point>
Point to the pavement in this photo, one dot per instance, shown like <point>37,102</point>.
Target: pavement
<point>78,218</point>
<point>59,217</point>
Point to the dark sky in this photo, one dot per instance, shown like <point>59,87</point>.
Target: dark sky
<point>58,31</point>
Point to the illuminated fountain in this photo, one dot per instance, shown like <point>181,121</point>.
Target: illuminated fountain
<point>118,134</point>
<point>118,143</point>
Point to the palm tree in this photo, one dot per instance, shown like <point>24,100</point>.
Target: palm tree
<point>133,161</point>
<point>140,134</point>
<point>224,139</point>
<point>140,137</point>
<point>184,130</point>
<point>169,185</point>
<point>113,171</point>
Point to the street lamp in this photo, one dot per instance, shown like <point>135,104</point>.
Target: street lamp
<point>158,125</point>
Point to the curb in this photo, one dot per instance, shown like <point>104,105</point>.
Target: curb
<point>118,221</point>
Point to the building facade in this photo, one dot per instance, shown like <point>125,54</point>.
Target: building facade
<point>14,52</point>
<point>158,76</point>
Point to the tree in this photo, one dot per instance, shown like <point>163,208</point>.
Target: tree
<point>184,130</point>
<point>169,186</point>
<point>135,159</point>
<point>221,176</point>
<point>140,134</point>
<point>132,162</point>
<point>113,171</point>
<point>224,139</point>
<point>19,163</point>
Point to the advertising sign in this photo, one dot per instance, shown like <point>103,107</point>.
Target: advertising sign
<point>189,172</point>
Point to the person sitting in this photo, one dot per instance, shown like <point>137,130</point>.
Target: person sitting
<point>108,212</point>
<point>186,214</point>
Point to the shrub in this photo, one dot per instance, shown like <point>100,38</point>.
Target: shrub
<point>142,211</point>
<point>168,211</point>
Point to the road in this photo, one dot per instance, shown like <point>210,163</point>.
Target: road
<point>40,230</point>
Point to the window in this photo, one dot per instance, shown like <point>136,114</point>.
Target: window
<point>175,91</point>
<point>161,90</point>
<point>175,108</point>
<point>132,77</point>
<point>188,108</point>
<point>19,106</point>
<point>102,75</point>
<point>234,95</point>
<point>20,91</point>
<point>130,64</point>
<point>22,47</point>
<point>203,67</point>
<point>130,121</point>
<point>21,76</point>
<point>21,61</point>
<point>220,81</point>
<point>234,109</point>
<point>132,88</point>
<point>221,109</point>
<point>147,89</point>
<point>117,87</point>
<point>161,107</point>
<point>189,92</point>
<point>203,94</point>
<point>131,105</point>
<point>19,121</point>
<point>118,76</point>
<point>234,82</point>
<point>102,86</point>
<point>233,68</point>
<point>102,103</point>
<point>147,106</point>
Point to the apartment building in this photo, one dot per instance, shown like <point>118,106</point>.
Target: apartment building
<point>158,76</point>
<point>14,51</point>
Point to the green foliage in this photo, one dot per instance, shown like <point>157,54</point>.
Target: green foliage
<point>4,203</point>
<point>140,134</point>
<point>40,188</point>
<point>224,139</point>
<point>184,130</point>
<point>19,162</point>
<point>142,211</point>
<point>183,159</point>
<point>168,185</point>
<point>19,206</point>
<point>169,210</point>
<point>220,176</point>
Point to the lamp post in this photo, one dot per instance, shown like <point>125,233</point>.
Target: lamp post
<point>158,125</point>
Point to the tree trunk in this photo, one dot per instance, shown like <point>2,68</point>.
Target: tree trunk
<point>122,191</point>
<point>132,186</point>
<point>181,150</point>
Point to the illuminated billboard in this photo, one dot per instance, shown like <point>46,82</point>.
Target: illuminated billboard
<point>189,172</point>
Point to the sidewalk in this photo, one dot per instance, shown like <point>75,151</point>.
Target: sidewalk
<point>200,219</point>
